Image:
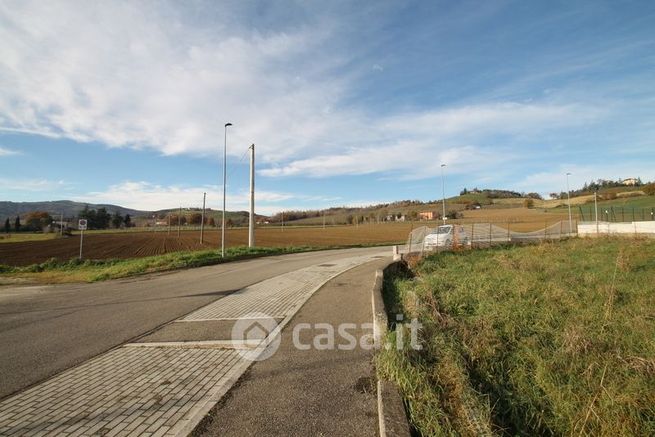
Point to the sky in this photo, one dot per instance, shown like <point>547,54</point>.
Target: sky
<point>347,103</point>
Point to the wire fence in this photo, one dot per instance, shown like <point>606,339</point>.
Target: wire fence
<point>446,237</point>
<point>615,214</point>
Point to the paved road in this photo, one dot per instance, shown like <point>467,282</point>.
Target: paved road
<point>46,329</point>
<point>311,392</point>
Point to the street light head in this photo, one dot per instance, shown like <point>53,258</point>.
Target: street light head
<point>443,165</point>
<point>568,174</point>
<point>228,124</point>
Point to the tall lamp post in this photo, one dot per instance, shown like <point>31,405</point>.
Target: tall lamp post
<point>443,195</point>
<point>596,208</point>
<point>224,184</point>
<point>568,193</point>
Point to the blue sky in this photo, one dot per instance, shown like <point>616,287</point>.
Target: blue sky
<point>348,103</point>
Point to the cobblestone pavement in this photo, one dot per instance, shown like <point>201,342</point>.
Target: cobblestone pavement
<point>276,297</point>
<point>163,389</point>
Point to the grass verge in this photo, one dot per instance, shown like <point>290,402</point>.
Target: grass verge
<point>550,339</point>
<point>74,270</point>
<point>22,237</point>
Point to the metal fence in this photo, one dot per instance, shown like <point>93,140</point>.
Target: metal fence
<point>615,214</point>
<point>483,235</point>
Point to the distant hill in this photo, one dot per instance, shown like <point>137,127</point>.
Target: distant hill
<point>486,199</point>
<point>71,209</point>
<point>57,207</point>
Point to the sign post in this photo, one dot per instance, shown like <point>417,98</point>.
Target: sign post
<point>81,225</point>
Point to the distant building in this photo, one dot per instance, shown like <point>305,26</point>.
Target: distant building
<point>427,215</point>
<point>630,181</point>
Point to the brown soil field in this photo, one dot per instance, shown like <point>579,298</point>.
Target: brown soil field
<point>518,219</point>
<point>139,244</point>
<point>122,245</point>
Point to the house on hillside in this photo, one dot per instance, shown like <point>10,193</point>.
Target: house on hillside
<point>427,215</point>
<point>630,182</point>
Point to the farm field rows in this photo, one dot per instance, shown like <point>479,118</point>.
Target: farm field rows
<point>25,249</point>
<point>141,244</point>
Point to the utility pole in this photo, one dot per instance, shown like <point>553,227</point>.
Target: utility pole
<point>224,185</point>
<point>596,209</point>
<point>568,193</point>
<point>282,221</point>
<point>443,193</point>
<point>179,222</point>
<point>251,223</point>
<point>202,219</point>
<point>61,225</point>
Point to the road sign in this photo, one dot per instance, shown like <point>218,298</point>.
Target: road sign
<point>81,225</point>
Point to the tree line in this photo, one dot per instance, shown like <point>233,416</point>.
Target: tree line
<point>34,222</point>
<point>102,219</point>
<point>601,184</point>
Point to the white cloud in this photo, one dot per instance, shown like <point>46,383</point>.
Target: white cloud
<point>8,152</point>
<point>455,136</point>
<point>129,74</point>
<point>143,195</point>
<point>31,185</point>
<point>555,180</point>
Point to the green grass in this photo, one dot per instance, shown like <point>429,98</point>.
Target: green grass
<point>629,202</point>
<point>551,339</point>
<point>25,236</point>
<point>54,271</point>
<point>637,202</point>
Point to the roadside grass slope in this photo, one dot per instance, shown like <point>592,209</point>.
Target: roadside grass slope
<point>74,270</point>
<point>550,339</point>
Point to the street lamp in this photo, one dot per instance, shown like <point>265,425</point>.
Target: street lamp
<point>443,194</point>
<point>568,193</point>
<point>224,184</point>
<point>596,207</point>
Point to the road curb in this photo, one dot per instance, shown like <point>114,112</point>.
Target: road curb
<point>392,418</point>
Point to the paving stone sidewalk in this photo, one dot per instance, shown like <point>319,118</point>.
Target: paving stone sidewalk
<point>162,388</point>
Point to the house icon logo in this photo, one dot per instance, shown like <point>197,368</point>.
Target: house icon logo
<point>256,336</point>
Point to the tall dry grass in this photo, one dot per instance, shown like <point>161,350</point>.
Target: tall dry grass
<point>551,339</point>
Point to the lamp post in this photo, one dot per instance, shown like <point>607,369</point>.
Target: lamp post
<point>568,193</point>
<point>443,195</point>
<point>596,208</point>
<point>224,184</point>
<point>251,223</point>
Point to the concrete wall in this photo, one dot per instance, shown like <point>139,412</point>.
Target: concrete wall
<point>590,228</point>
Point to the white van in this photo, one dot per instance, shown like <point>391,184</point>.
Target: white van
<point>444,236</point>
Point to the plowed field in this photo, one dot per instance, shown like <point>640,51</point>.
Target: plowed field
<point>139,244</point>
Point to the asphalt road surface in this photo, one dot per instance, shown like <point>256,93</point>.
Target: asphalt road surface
<point>47,329</point>
<point>310,392</point>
